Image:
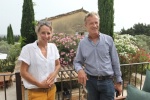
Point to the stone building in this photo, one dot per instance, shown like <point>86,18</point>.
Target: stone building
<point>69,23</point>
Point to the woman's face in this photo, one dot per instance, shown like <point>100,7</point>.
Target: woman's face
<point>44,34</point>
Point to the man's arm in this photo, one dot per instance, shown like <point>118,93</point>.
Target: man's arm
<point>78,63</point>
<point>116,67</point>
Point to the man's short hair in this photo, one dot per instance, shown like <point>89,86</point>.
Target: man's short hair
<point>91,14</point>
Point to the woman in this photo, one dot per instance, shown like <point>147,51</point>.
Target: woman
<point>40,64</point>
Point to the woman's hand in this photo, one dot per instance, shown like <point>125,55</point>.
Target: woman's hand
<point>43,84</point>
<point>51,78</point>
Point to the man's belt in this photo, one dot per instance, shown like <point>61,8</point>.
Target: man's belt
<point>100,77</point>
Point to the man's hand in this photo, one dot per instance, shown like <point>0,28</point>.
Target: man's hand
<point>118,87</point>
<point>82,77</point>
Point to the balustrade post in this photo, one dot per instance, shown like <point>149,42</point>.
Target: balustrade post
<point>18,86</point>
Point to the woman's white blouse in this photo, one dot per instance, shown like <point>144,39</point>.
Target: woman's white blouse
<point>39,66</point>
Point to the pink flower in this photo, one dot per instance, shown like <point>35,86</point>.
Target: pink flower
<point>67,46</point>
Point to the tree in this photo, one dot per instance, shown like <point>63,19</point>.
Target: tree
<point>137,29</point>
<point>106,13</point>
<point>28,34</point>
<point>16,38</point>
<point>10,36</point>
<point>4,38</point>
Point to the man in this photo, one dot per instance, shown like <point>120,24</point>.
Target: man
<point>97,53</point>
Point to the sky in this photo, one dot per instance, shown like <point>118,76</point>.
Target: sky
<point>127,12</point>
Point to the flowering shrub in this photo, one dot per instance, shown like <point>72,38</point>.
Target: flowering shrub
<point>129,52</point>
<point>67,46</point>
<point>126,46</point>
<point>140,56</point>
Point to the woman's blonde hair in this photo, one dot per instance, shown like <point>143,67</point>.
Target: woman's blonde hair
<point>41,23</point>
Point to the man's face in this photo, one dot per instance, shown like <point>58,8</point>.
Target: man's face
<point>92,24</point>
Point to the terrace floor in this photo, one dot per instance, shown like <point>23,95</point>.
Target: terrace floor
<point>10,92</point>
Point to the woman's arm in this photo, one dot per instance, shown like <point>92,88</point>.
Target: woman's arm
<point>57,67</point>
<point>28,77</point>
<point>52,76</point>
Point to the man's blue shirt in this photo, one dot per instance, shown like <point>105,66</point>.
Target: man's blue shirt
<point>99,59</point>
